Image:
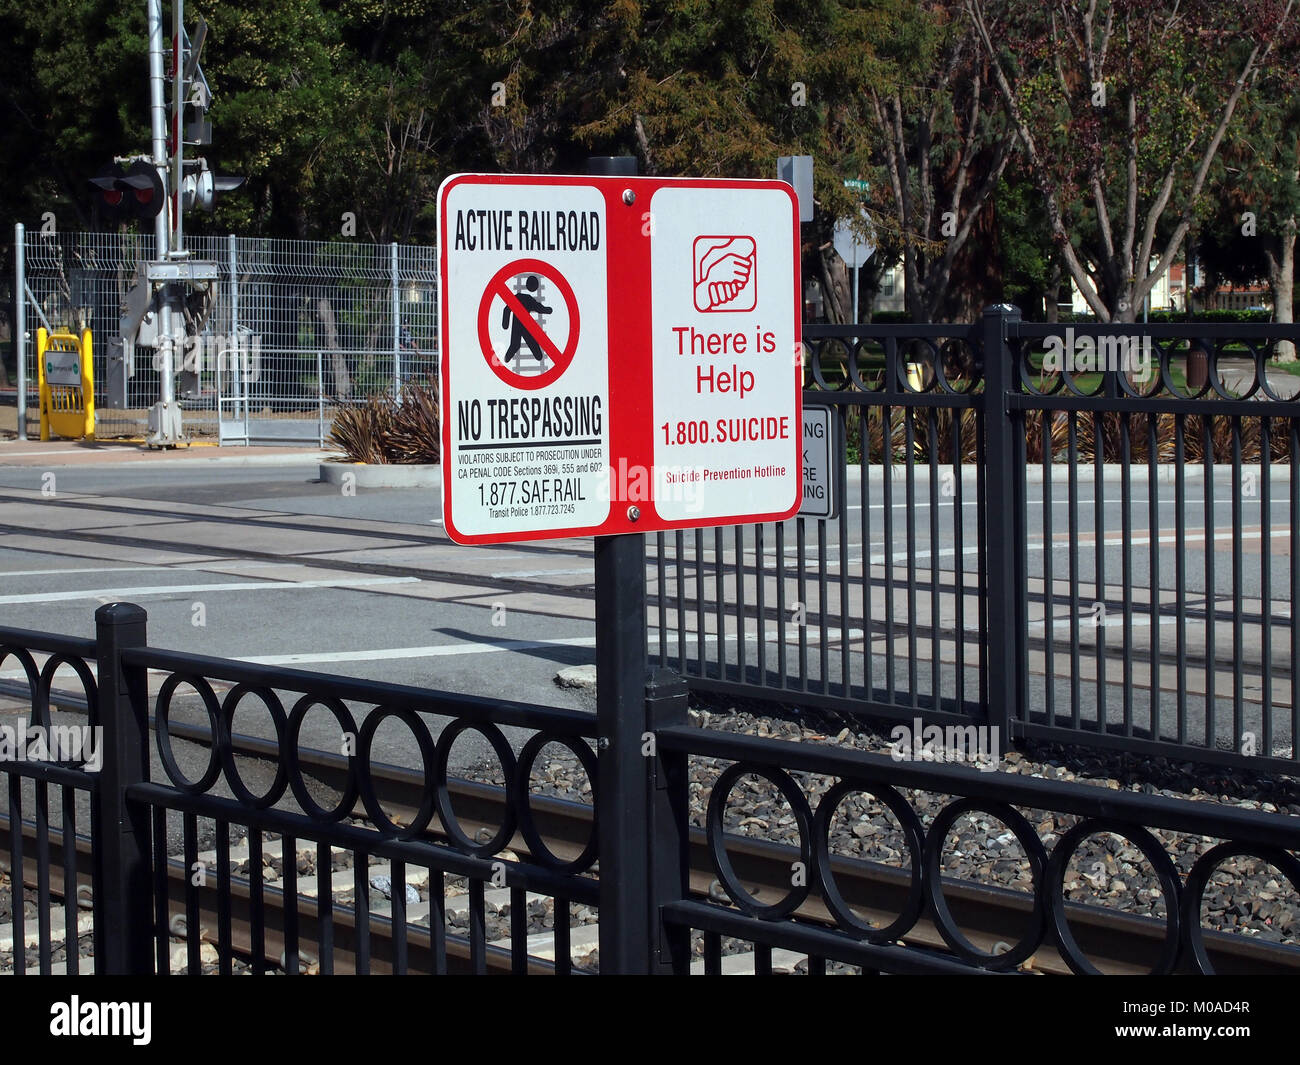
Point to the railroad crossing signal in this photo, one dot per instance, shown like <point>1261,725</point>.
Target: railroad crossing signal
<point>132,192</point>
<point>139,191</point>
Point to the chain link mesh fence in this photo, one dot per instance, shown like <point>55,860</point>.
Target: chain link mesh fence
<point>289,330</point>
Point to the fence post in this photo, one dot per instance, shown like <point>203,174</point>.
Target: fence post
<point>668,807</point>
<point>1003,529</point>
<point>122,887</point>
<point>233,346</point>
<point>20,323</point>
<point>397,325</point>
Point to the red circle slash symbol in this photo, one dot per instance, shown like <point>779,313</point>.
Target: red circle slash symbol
<point>525,326</point>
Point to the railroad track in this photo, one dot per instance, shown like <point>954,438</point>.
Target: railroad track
<point>415,939</point>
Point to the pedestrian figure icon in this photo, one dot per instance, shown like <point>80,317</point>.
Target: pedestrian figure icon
<point>519,332</point>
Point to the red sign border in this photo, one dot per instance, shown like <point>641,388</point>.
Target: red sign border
<point>629,271</point>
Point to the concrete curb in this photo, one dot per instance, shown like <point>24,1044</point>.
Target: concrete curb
<point>1112,473</point>
<point>14,459</point>
<point>306,459</point>
<point>411,475</point>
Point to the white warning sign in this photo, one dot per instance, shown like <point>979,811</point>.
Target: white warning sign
<point>724,270</point>
<point>525,371</point>
<point>820,499</point>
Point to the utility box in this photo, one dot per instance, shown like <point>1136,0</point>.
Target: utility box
<point>118,371</point>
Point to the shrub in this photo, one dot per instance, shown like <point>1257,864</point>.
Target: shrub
<point>388,430</point>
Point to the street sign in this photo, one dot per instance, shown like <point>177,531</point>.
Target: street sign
<point>821,490</point>
<point>855,250</point>
<point>797,172</point>
<point>619,354</point>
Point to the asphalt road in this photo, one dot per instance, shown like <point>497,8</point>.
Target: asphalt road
<point>266,563</point>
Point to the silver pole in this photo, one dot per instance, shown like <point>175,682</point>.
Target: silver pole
<point>397,326</point>
<point>240,363</point>
<point>856,271</point>
<point>234,287</point>
<point>178,109</point>
<point>20,323</point>
<point>158,115</point>
<point>158,130</point>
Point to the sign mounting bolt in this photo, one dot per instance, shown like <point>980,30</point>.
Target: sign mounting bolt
<point>633,513</point>
<point>629,197</point>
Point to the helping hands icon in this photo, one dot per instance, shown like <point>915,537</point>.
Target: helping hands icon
<point>723,272</point>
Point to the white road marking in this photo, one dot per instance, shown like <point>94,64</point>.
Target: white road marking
<point>383,654</point>
<point>71,570</point>
<point>1087,621</point>
<point>188,589</point>
<point>447,650</point>
<point>923,502</point>
<point>544,572</point>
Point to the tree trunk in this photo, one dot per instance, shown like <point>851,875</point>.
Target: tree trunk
<point>1052,295</point>
<point>1281,279</point>
<point>338,361</point>
<point>836,289</point>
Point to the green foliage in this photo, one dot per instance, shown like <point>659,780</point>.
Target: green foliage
<point>362,107</point>
<point>1124,104</point>
<point>1178,317</point>
<point>73,92</point>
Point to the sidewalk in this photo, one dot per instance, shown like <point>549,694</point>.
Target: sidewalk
<point>52,453</point>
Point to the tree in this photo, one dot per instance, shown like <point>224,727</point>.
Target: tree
<point>1269,180</point>
<point>1031,271</point>
<point>721,87</point>
<point>944,145</point>
<point>1120,107</point>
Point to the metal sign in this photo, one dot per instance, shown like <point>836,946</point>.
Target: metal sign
<point>854,249</point>
<point>619,354</point>
<point>821,490</point>
<point>63,368</point>
<point>797,172</point>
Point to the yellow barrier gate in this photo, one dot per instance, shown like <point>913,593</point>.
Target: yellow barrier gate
<point>67,385</point>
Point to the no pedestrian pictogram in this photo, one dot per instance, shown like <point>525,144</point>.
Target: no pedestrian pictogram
<point>528,324</point>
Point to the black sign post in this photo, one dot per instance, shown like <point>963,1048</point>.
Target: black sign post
<point>621,814</point>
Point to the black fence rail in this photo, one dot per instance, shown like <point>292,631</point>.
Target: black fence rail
<point>1078,533</point>
<point>214,851</point>
<point>165,792</point>
<point>48,793</point>
<point>1073,849</point>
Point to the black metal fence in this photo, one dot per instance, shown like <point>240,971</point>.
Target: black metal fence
<point>441,874</point>
<point>1078,533</point>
